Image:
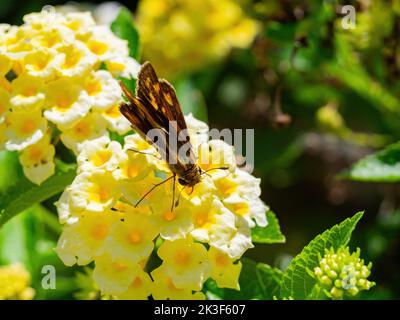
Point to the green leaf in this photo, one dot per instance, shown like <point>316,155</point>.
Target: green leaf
<point>257,281</point>
<point>26,239</point>
<point>23,194</point>
<point>297,282</point>
<point>383,166</point>
<point>123,27</point>
<point>191,99</point>
<point>10,169</point>
<point>14,238</point>
<point>269,234</point>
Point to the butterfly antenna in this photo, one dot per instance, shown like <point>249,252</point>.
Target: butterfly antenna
<point>219,168</point>
<point>146,153</point>
<point>152,188</point>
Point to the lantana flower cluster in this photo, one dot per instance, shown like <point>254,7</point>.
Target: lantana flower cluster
<point>343,274</point>
<point>58,80</point>
<point>154,249</point>
<point>14,283</point>
<point>208,28</point>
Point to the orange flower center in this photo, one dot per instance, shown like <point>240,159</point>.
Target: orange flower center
<point>134,237</point>
<point>99,231</point>
<point>28,127</point>
<point>183,258</point>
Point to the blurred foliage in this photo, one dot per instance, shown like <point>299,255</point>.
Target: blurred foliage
<point>320,98</point>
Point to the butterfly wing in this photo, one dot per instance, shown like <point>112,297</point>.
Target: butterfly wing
<point>156,106</point>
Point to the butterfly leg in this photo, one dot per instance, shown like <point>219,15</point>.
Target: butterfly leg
<point>152,188</point>
<point>173,193</point>
<point>179,196</point>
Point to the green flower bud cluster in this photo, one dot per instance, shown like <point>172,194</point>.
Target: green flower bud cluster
<point>343,274</point>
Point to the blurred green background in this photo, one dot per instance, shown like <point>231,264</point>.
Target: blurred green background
<point>319,97</point>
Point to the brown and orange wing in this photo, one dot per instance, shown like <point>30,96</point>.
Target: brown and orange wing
<point>154,106</point>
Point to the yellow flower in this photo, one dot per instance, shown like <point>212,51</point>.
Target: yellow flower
<point>103,44</point>
<point>42,63</point>
<point>174,224</point>
<point>77,60</point>
<point>55,58</point>
<point>115,276</point>
<point>132,237</point>
<point>216,154</point>
<point>42,20</point>
<point>14,283</point>
<point>52,37</point>
<point>5,63</point>
<point>164,288</point>
<point>66,213</point>
<point>140,287</point>
<point>206,215</point>
<point>185,262</point>
<point>115,120</point>
<point>38,160</point>
<point>66,102</point>
<point>240,193</point>
<point>14,42</point>
<point>197,130</point>
<point>24,129</point>
<point>79,22</point>
<point>103,90</point>
<point>208,28</point>
<point>127,184</point>
<point>94,191</point>
<point>100,154</point>
<point>4,104</point>
<point>133,167</point>
<point>83,239</point>
<point>85,131</point>
<point>121,66</point>
<point>224,270</point>
<point>27,93</point>
<point>233,240</point>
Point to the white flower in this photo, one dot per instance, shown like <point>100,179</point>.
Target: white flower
<point>123,66</point>
<point>87,129</point>
<point>116,121</point>
<point>185,262</point>
<point>103,90</point>
<point>65,212</point>
<point>79,22</point>
<point>67,103</point>
<point>104,44</point>
<point>198,131</point>
<point>234,241</point>
<point>100,154</point>
<point>77,60</point>
<point>42,63</point>
<point>83,239</point>
<point>132,237</point>
<point>208,216</point>
<point>24,129</point>
<point>38,160</point>
<point>27,93</point>
<point>114,276</point>
<point>93,191</point>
